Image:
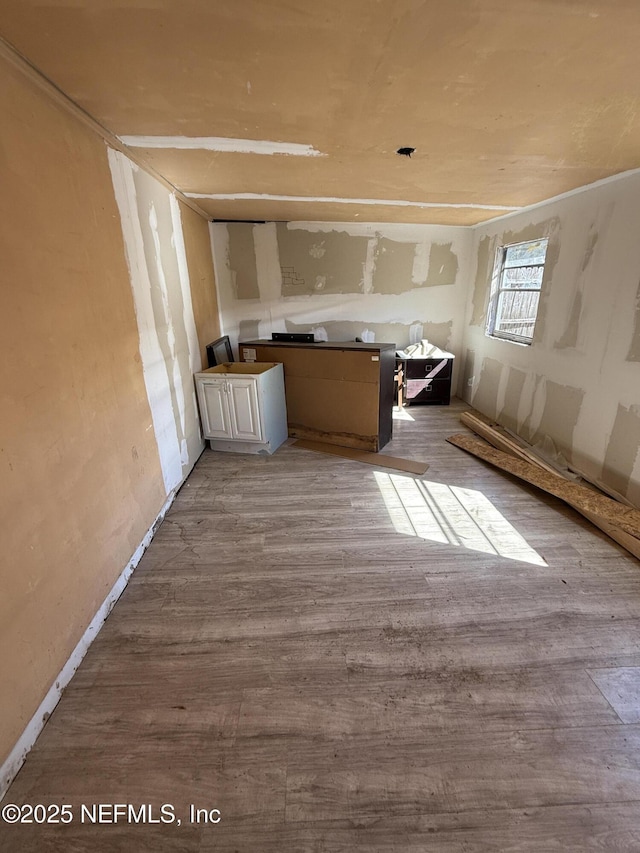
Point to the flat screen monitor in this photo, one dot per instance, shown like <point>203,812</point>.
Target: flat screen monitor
<point>219,352</point>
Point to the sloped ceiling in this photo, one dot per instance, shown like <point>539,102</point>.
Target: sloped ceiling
<point>506,102</point>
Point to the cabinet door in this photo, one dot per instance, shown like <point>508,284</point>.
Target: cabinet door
<point>243,405</point>
<point>215,410</point>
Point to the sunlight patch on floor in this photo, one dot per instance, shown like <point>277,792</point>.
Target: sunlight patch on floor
<point>401,415</point>
<point>451,515</point>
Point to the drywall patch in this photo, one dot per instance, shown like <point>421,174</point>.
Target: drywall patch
<point>485,398</point>
<point>393,266</point>
<point>622,450</point>
<point>443,265</point>
<point>634,347</point>
<point>438,333</point>
<point>421,264</point>
<point>223,143</point>
<point>532,232</point>
<point>332,264</point>
<point>249,330</point>
<point>242,260</point>
<point>291,280</point>
<point>513,393</point>
<point>268,263</point>
<point>416,333</point>
<point>376,202</point>
<point>318,250</point>
<point>562,405</point>
<point>369,265</point>
<point>569,337</point>
<point>486,253</point>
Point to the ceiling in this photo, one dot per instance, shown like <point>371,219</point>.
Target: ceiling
<point>506,102</point>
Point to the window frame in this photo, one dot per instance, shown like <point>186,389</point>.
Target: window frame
<point>497,289</point>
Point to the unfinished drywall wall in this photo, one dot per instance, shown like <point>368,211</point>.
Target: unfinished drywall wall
<point>241,258</point>
<point>197,242</point>
<point>169,347</point>
<point>622,454</point>
<point>579,381</point>
<point>384,283</point>
<point>82,476</point>
<point>486,396</point>
<point>486,257</point>
<point>512,397</point>
<point>331,262</point>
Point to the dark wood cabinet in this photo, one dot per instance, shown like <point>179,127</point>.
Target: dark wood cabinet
<point>427,380</point>
<point>337,392</point>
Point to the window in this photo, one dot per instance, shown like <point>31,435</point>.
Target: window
<point>515,291</point>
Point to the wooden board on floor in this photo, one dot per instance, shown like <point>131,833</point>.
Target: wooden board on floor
<point>501,440</point>
<point>407,465</point>
<point>504,439</point>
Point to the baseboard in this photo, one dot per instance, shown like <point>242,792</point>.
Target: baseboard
<point>16,758</point>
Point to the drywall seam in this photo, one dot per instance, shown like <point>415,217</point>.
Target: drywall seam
<point>224,144</point>
<point>62,99</point>
<point>382,202</point>
<point>369,265</point>
<point>171,335</point>
<point>420,263</point>
<point>402,232</point>
<point>195,359</point>
<point>635,473</point>
<point>18,754</point>
<point>225,304</point>
<point>153,365</point>
<point>265,244</point>
<point>561,197</point>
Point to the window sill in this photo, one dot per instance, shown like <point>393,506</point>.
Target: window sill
<point>508,340</point>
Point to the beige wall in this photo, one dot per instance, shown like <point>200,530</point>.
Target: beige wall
<point>82,479</point>
<point>400,283</point>
<point>579,382</point>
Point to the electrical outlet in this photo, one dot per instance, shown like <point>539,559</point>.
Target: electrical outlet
<point>470,381</point>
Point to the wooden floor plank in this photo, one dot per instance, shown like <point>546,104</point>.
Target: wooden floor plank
<point>575,494</point>
<point>294,650</point>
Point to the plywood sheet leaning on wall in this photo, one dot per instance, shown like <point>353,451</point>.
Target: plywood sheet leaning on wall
<point>500,439</point>
<point>503,439</point>
<point>609,515</point>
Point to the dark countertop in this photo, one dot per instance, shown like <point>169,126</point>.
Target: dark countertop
<point>340,345</point>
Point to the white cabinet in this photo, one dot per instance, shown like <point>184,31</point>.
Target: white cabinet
<point>242,406</point>
<point>230,408</point>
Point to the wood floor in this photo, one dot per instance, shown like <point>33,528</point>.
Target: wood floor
<point>292,653</point>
